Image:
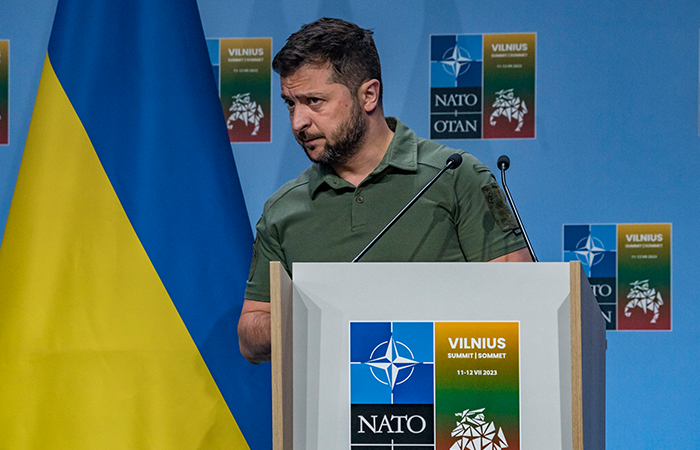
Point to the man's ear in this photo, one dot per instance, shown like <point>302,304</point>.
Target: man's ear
<point>369,95</point>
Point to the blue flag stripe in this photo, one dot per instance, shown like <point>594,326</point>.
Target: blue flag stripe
<point>159,133</point>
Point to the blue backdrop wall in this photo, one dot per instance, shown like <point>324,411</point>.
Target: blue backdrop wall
<point>617,142</point>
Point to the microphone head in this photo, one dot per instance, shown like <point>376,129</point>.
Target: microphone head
<point>503,162</point>
<point>454,160</point>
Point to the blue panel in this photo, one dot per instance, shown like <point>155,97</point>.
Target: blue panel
<point>417,388</point>
<point>364,338</point>
<point>573,234</point>
<point>439,77</point>
<point>418,337</point>
<point>213,50</point>
<point>607,234</point>
<point>439,45</point>
<point>474,44</point>
<point>365,388</point>
<point>472,76</point>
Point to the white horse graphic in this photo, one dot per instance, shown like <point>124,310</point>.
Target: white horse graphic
<point>510,106</point>
<point>475,434</point>
<point>245,111</point>
<point>645,298</point>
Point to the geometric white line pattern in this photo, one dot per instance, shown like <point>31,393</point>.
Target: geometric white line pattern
<point>245,111</point>
<point>510,106</point>
<point>475,434</point>
<point>644,298</point>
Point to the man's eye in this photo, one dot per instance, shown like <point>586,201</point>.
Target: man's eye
<point>314,100</point>
<point>289,103</point>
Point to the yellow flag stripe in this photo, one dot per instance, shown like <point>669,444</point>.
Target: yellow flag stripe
<point>93,354</point>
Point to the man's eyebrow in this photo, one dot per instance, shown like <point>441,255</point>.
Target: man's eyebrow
<point>304,96</point>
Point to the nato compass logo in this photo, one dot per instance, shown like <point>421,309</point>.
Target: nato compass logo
<point>456,66</point>
<point>456,61</point>
<point>596,247</point>
<point>391,383</point>
<point>593,245</point>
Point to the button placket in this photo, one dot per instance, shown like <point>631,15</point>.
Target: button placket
<point>358,209</point>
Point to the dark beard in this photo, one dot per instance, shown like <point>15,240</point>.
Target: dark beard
<point>347,139</point>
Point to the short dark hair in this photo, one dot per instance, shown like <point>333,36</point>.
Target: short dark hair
<point>349,50</point>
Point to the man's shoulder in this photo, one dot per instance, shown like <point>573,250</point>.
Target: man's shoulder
<point>434,154</point>
<point>292,191</point>
<point>431,153</point>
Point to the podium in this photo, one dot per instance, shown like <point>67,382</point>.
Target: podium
<point>535,327</point>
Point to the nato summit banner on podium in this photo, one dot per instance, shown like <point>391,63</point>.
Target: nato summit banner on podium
<point>445,356</point>
<point>413,381</point>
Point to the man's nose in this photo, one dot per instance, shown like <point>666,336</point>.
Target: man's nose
<point>300,119</point>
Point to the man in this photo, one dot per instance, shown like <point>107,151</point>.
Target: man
<point>365,169</point>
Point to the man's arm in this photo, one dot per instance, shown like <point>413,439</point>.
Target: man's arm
<point>522,255</point>
<point>254,331</point>
<point>254,324</point>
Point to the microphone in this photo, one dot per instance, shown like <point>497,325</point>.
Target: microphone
<point>503,165</point>
<point>453,161</point>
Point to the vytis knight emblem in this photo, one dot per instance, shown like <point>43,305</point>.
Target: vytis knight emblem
<point>643,297</point>
<point>510,106</point>
<point>245,110</point>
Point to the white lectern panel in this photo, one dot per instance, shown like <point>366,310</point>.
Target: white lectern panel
<point>327,296</point>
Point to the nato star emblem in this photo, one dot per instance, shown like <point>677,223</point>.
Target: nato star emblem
<point>456,61</point>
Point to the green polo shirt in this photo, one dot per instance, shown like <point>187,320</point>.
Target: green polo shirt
<point>319,217</point>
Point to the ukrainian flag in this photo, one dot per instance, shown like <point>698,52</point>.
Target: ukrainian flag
<point>127,246</point>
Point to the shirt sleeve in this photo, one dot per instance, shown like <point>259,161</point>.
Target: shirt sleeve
<point>265,249</point>
<point>485,223</point>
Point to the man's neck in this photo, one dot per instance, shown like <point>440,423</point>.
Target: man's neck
<point>375,145</point>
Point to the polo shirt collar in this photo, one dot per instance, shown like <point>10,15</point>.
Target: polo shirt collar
<point>402,154</point>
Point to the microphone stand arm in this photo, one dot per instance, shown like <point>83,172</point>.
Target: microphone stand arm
<point>401,213</point>
<point>503,168</point>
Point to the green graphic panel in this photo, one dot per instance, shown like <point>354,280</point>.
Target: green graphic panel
<point>246,88</point>
<point>644,277</point>
<point>477,382</point>
<point>509,85</point>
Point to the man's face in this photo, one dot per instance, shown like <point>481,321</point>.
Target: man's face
<point>326,117</point>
